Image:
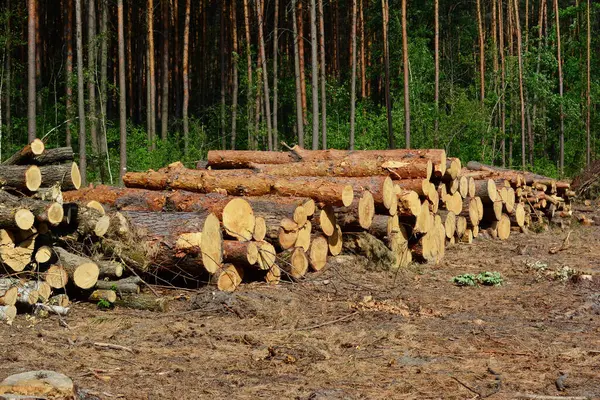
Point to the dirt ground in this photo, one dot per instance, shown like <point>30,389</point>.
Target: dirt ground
<point>349,334</point>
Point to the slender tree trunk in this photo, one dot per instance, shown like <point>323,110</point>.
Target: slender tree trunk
<point>560,90</point>
<point>31,78</point>
<point>102,141</point>
<point>38,57</point>
<point>275,76</point>
<point>69,71</point>
<point>537,70</point>
<point>481,54</point>
<point>263,57</point>
<point>502,83</point>
<point>363,58</point>
<point>152,77</point>
<point>8,68</point>
<point>251,139</point>
<point>297,80</point>
<point>129,63</point>
<point>521,88</point>
<point>164,112</point>
<point>91,60</point>
<point>436,95</point>
<point>80,95</point>
<point>122,94</point>
<point>406,75</point>
<point>301,51</point>
<point>588,152</point>
<point>353,84</point>
<point>315,73</point>
<point>186,83</point>
<point>222,51</point>
<point>386,57</point>
<point>323,77</point>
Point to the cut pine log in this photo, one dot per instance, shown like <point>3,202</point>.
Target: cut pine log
<point>56,276</point>
<point>336,241</point>
<point>293,263</point>
<point>243,254</point>
<point>227,278</point>
<point>21,177</point>
<point>66,175</point>
<point>43,211</point>
<point>230,159</point>
<point>16,248</point>
<point>82,271</point>
<point>26,154</point>
<point>317,254</point>
<point>486,190</point>
<point>359,215</point>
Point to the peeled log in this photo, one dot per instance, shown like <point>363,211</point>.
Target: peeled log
<point>226,159</point>
<point>26,154</point>
<point>82,271</point>
<point>25,178</point>
<point>352,167</point>
<point>293,262</point>
<point>67,175</point>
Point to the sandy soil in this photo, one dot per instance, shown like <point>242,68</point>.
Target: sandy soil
<point>349,334</point>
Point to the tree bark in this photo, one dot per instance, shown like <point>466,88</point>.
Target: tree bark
<point>249,96</point>
<point>406,76</point>
<point>297,79</point>
<point>91,60</point>
<point>164,112</point>
<point>481,54</point>
<point>301,55</point>
<point>323,77</point>
<point>186,83</point>
<point>102,139</point>
<point>502,83</point>
<point>314,74</point>
<point>275,76</point>
<point>222,50</point>
<point>122,95</point>
<point>588,152</point>
<point>436,95</point>
<point>353,84</point>
<point>386,56</point>
<point>152,76</point>
<point>560,90</point>
<point>80,94</point>
<point>263,58</point>
<point>521,87</point>
<point>31,75</point>
<point>69,72</point>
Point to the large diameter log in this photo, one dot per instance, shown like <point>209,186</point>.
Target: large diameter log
<point>122,198</point>
<point>238,219</point>
<point>486,190</point>
<point>266,255</point>
<point>56,276</point>
<point>16,249</point>
<point>517,218</point>
<point>449,220</point>
<point>463,186</point>
<point>408,201</point>
<point>326,219</point>
<point>15,217</point>
<point>21,177</point>
<point>212,244</point>
<point>334,191</point>
<point>57,155</point>
<point>351,167</point>
<point>227,278</point>
<point>359,215</point>
<point>82,271</point>
<point>453,168</point>
<point>293,262</point>
<point>26,154</point>
<point>221,159</point>
<point>67,175</point>
<point>502,227</point>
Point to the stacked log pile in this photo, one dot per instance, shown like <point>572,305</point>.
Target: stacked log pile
<point>247,215</point>
<point>42,237</point>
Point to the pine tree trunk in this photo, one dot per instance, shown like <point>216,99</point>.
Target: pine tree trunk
<point>31,78</point>
<point>386,56</point>
<point>301,55</point>
<point>152,77</point>
<point>186,84</point>
<point>521,88</point>
<point>249,96</point>
<point>560,90</point>
<point>353,84</point>
<point>91,84</point>
<point>122,94</point>
<point>297,80</point>
<point>102,140</point>
<point>502,83</point>
<point>436,95</point>
<point>588,152</point>
<point>315,72</point>
<point>323,77</point>
<point>80,94</point>
<point>363,58</point>
<point>481,54</point>
<point>406,75</point>
<point>275,76</point>
<point>222,65</point>
<point>164,112</point>
<point>263,57</point>
<point>69,71</point>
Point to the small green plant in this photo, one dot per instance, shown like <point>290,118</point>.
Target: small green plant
<point>113,287</point>
<point>464,280</point>
<point>104,304</point>
<point>490,278</point>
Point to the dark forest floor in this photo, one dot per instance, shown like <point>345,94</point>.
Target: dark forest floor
<point>349,334</point>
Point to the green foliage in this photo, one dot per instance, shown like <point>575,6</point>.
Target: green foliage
<point>484,278</point>
<point>104,304</point>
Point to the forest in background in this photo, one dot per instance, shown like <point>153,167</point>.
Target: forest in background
<point>507,82</point>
